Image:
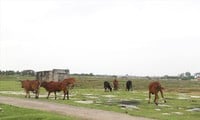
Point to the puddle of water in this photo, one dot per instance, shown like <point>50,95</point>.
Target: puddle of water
<point>183,97</point>
<point>111,101</point>
<point>42,96</point>
<point>92,97</point>
<point>164,105</point>
<point>158,109</point>
<point>146,92</point>
<point>146,99</point>
<point>194,109</point>
<point>195,96</point>
<point>74,99</point>
<point>170,98</point>
<point>110,96</point>
<point>72,95</point>
<point>98,102</point>
<point>124,99</point>
<point>180,108</point>
<point>130,102</point>
<point>134,91</point>
<point>178,113</point>
<point>13,92</point>
<point>85,102</point>
<point>129,106</point>
<point>137,99</point>
<point>57,98</point>
<point>165,113</point>
<point>87,94</point>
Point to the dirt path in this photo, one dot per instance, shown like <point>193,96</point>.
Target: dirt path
<point>80,112</point>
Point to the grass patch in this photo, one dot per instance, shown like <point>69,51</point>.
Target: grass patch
<point>8,112</point>
<point>135,103</point>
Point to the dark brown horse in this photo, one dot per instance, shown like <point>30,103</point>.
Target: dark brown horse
<point>107,86</point>
<point>129,85</point>
<point>53,86</point>
<point>115,84</point>
<point>154,88</point>
<point>64,86</point>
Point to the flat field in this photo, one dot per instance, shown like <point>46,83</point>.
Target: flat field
<point>183,97</point>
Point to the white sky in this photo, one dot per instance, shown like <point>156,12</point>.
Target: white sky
<point>136,37</point>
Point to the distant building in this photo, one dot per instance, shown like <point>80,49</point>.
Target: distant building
<point>28,72</point>
<point>197,76</point>
<point>54,75</point>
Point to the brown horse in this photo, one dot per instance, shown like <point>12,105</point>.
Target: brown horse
<point>53,86</point>
<point>64,86</point>
<point>31,85</point>
<point>115,84</point>
<point>70,82</point>
<point>154,88</point>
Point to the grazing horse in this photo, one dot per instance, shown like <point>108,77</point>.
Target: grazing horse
<point>129,85</point>
<point>154,88</point>
<point>53,86</point>
<point>116,84</point>
<point>107,86</point>
<point>70,82</point>
<point>31,85</point>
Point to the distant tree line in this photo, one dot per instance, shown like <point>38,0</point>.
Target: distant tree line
<point>181,76</point>
<point>186,76</point>
<point>12,72</point>
<point>83,74</point>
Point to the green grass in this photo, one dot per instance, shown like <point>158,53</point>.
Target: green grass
<point>8,112</point>
<point>15,77</point>
<point>93,82</point>
<point>10,86</point>
<point>139,99</point>
<point>91,89</point>
<point>12,82</point>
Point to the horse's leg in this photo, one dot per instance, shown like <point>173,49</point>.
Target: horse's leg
<point>156,98</point>
<point>68,94</point>
<point>64,92</point>
<point>55,95</point>
<point>37,94</point>
<point>161,92</point>
<point>26,94</point>
<point>48,95</point>
<point>29,96</point>
<point>149,97</point>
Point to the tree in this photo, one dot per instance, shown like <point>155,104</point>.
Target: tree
<point>186,76</point>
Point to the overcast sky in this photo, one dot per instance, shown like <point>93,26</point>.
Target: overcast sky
<point>135,37</point>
